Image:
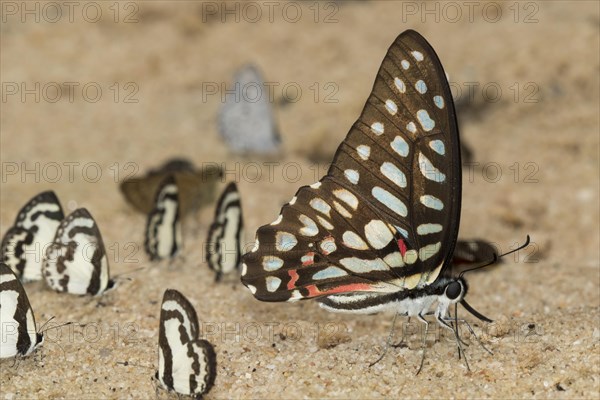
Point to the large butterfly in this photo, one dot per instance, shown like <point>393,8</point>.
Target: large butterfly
<point>76,262</point>
<point>378,231</point>
<point>24,244</point>
<point>17,322</point>
<point>186,364</point>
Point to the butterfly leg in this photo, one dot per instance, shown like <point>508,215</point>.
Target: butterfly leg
<point>472,332</point>
<point>401,342</point>
<point>387,342</point>
<point>444,324</point>
<point>424,344</point>
<point>154,380</point>
<point>455,328</point>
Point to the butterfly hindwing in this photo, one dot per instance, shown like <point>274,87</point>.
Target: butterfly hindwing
<point>24,244</point>
<point>186,364</point>
<point>385,217</point>
<point>76,262</point>
<point>18,329</point>
<point>246,120</point>
<point>163,227</point>
<point>225,236</point>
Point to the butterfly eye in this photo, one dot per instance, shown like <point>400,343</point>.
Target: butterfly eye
<point>453,290</point>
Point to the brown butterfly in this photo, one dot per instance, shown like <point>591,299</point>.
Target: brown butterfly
<point>196,186</point>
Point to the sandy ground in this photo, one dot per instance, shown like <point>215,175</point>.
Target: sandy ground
<point>541,133</point>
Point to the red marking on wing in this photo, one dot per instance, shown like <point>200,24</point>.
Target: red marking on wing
<point>293,279</point>
<point>313,291</point>
<point>402,247</point>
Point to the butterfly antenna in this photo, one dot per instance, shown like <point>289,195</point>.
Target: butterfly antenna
<point>127,363</point>
<point>46,323</point>
<point>55,327</point>
<point>496,257</point>
<point>493,261</point>
<point>464,303</point>
<point>42,330</point>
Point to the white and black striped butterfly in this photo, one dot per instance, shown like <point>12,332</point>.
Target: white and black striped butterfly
<point>186,364</point>
<point>76,262</point>
<point>24,244</point>
<point>17,322</point>
<point>246,120</point>
<point>378,231</point>
<point>226,233</point>
<point>163,229</point>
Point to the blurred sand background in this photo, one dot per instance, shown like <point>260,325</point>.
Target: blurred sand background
<point>543,56</point>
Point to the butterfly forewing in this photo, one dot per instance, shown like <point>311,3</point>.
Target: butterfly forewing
<point>25,243</point>
<point>409,167</point>
<point>76,262</point>
<point>186,364</point>
<point>386,216</point>
<point>17,322</point>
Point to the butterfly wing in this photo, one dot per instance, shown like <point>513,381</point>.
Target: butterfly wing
<point>246,120</point>
<point>385,217</point>
<point>163,229</point>
<point>197,187</point>
<point>186,364</point>
<point>76,262</point>
<point>225,236</point>
<point>18,330</point>
<point>24,244</point>
<point>475,251</point>
<point>140,191</point>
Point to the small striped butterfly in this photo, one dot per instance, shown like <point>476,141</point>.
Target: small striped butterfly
<point>378,232</point>
<point>163,229</point>
<point>76,262</point>
<point>24,244</point>
<point>197,186</point>
<point>246,120</point>
<point>226,234</point>
<point>186,364</point>
<point>17,322</point>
